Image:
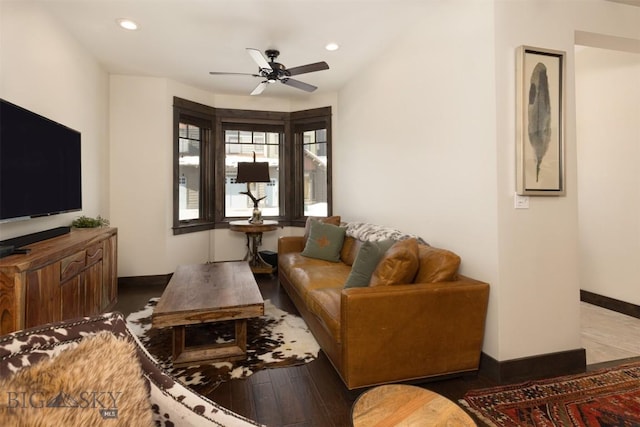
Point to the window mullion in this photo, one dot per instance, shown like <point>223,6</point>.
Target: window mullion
<point>220,171</point>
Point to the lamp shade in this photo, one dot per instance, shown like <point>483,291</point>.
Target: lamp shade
<point>253,172</point>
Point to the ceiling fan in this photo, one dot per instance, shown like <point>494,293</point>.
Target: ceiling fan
<point>272,71</point>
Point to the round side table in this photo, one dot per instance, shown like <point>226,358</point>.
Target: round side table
<point>254,240</point>
<point>406,405</point>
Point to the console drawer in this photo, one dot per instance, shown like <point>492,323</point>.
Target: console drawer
<point>94,254</point>
<point>72,265</point>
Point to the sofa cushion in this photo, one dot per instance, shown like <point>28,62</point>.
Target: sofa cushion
<point>316,274</point>
<point>436,265</point>
<point>350,249</point>
<point>335,220</point>
<point>289,260</point>
<point>366,262</point>
<point>100,372</point>
<point>324,242</point>
<point>325,305</point>
<point>398,265</point>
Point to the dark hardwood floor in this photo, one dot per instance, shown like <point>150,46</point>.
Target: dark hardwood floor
<point>307,395</point>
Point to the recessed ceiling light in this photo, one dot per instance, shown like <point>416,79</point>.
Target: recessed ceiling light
<point>127,24</point>
<point>332,46</point>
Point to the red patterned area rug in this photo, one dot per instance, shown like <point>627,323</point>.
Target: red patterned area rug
<point>608,397</point>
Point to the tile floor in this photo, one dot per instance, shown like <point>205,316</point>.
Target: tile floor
<point>608,335</point>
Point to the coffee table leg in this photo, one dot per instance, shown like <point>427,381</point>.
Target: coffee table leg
<point>185,356</point>
<point>178,341</point>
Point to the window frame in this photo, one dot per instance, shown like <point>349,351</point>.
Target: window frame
<point>248,120</point>
<point>278,131</point>
<point>291,194</point>
<point>199,115</point>
<point>303,121</point>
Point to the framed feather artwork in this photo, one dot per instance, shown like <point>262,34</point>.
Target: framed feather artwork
<point>540,122</point>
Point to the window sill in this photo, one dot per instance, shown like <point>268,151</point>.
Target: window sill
<point>192,227</point>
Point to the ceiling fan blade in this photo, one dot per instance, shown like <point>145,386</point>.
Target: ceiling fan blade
<point>309,68</point>
<point>222,73</point>
<point>259,59</point>
<point>299,85</point>
<point>260,88</point>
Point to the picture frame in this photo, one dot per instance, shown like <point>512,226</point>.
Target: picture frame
<point>540,123</point>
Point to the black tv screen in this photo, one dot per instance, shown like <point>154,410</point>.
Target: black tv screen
<point>40,171</point>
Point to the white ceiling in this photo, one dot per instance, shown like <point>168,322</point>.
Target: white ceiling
<point>185,39</point>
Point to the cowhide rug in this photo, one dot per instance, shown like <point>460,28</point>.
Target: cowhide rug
<point>277,339</point>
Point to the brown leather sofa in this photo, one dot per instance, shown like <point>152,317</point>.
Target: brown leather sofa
<point>383,334</point>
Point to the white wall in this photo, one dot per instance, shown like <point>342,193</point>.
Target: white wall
<point>538,285</point>
<point>539,265</point>
<point>46,71</point>
<point>416,145</point>
<point>141,194</point>
<point>608,135</point>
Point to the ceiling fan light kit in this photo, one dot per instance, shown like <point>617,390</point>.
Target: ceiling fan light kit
<point>272,71</point>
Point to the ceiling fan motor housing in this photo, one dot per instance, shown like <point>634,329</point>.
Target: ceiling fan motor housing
<point>272,54</point>
<point>277,71</point>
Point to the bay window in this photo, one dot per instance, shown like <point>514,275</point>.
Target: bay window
<point>208,144</point>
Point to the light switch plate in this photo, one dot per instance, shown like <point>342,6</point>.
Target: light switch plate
<point>521,202</point>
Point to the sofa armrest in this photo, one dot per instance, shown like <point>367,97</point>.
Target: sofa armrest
<point>412,331</point>
<point>288,244</point>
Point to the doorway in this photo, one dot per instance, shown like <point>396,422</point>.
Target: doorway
<point>607,80</point>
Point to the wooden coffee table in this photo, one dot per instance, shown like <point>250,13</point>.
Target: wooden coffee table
<point>206,293</point>
<point>406,405</point>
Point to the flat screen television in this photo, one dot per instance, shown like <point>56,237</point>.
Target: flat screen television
<point>40,165</point>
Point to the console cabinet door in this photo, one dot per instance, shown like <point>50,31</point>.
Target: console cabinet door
<point>72,297</point>
<point>9,313</point>
<point>42,299</point>
<point>93,289</point>
<point>71,303</point>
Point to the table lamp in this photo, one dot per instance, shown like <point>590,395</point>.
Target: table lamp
<point>253,172</point>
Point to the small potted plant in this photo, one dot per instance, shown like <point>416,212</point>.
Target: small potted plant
<point>87,222</point>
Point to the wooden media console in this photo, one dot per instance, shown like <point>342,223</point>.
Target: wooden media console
<point>68,276</point>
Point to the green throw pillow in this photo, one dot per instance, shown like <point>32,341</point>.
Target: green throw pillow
<point>369,255</point>
<point>324,242</point>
